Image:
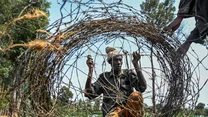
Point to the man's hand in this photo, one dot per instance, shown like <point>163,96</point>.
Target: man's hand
<point>90,62</point>
<point>136,57</point>
<point>173,25</point>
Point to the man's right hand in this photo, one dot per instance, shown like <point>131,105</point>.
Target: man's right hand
<point>174,25</point>
<point>90,62</point>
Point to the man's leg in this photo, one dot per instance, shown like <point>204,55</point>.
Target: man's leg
<point>182,50</point>
<point>134,105</point>
<point>118,112</point>
<point>193,37</point>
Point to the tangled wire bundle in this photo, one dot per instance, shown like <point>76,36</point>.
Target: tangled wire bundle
<point>92,26</point>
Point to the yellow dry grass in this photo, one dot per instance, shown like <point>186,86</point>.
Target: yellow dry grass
<point>36,44</point>
<point>40,45</point>
<point>33,15</point>
<point>44,31</point>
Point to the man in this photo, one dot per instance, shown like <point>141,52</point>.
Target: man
<point>190,8</point>
<point>119,97</point>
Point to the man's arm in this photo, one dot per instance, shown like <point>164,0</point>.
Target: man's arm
<point>142,81</point>
<point>186,9</point>
<point>174,24</point>
<point>90,65</point>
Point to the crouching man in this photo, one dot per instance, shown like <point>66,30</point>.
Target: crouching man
<point>117,86</point>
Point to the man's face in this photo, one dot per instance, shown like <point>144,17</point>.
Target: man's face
<point>116,63</point>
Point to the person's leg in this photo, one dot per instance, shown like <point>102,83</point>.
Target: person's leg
<point>134,105</point>
<point>201,16</point>
<point>193,37</point>
<point>182,50</point>
<point>118,112</point>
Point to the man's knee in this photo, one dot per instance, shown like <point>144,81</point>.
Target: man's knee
<point>118,112</point>
<point>136,96</point>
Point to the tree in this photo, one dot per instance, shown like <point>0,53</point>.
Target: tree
<point>159,107</point>
<point>65,95</point>
<point>18,32</point>
<point>3,102</point>
<point>14,31</point>
<point>199,109</point>
<point>200,106</point>
<point>5,68</point>
<point>206,111</point>
<point>158,13</point>
<point>88,106</point>
<point>96,106</point>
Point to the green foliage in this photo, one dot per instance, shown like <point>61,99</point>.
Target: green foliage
<point>14,31</point>
<point>3,98</point>
<point>200,110</point>
<point>200,106</point>
<point>24,30</point>
<point>81,108</point>
<point>158,13</point>
<point>97,104</point>
<point>185,113</point>
<point>19,32</point>
<point>64,95</point>
<point>5,68</point>
<point>85,108</point>
<point>206,111</point>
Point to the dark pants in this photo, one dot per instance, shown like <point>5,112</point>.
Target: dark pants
<point>198,9</point>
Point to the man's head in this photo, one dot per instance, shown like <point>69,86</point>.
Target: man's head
<point>114,58</point>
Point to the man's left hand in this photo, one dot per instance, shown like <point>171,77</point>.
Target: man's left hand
<point>136,57</point>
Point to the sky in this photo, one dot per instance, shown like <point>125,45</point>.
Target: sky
<point>189,24</point>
